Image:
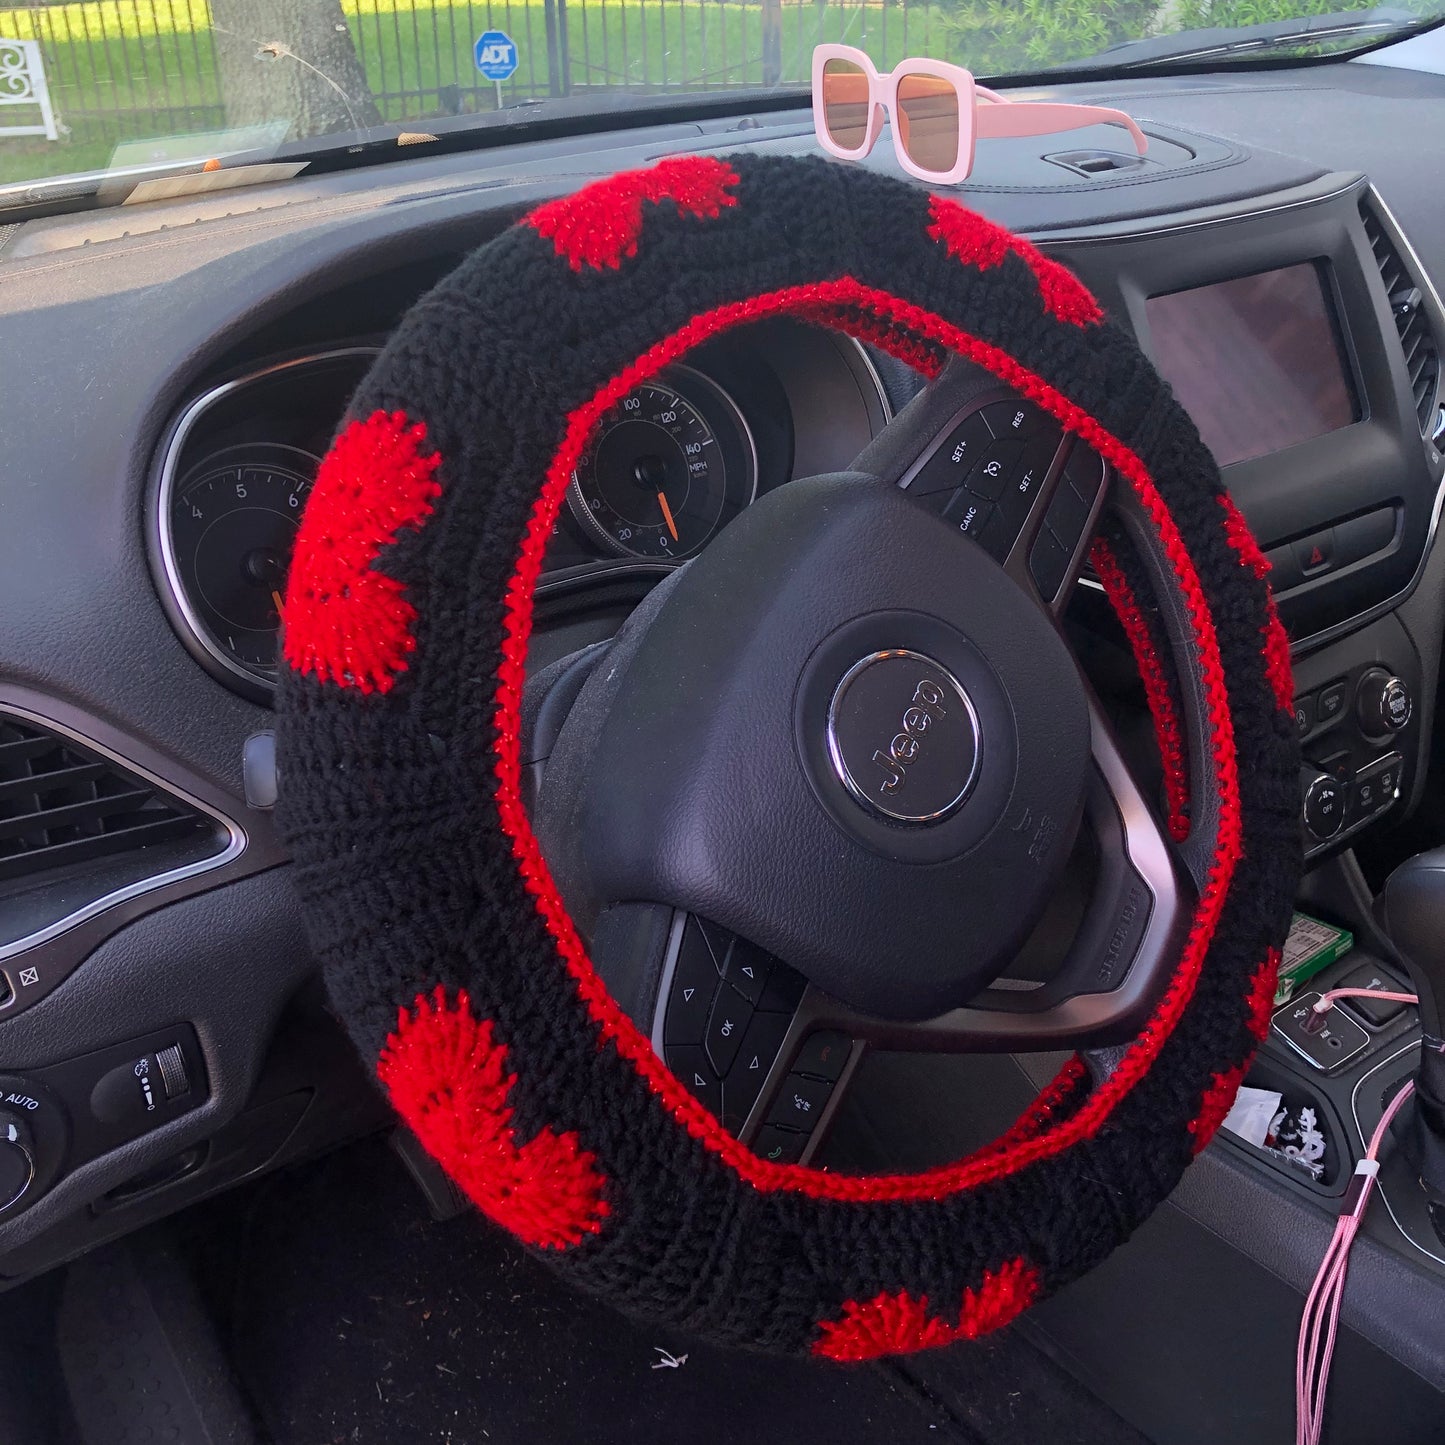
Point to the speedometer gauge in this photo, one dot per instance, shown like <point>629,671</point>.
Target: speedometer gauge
<point>233,522</point>
<point>667,468</point>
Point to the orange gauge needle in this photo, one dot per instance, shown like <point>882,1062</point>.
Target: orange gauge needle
<point>667,515</point>
<point>276,598</point>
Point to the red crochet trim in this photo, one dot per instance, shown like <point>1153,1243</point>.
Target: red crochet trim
<point>865,327</point>
<point>1218,1099</point>
<point>1277,663</point>
<point>977,241</point>
<point>447,1077</point>
<point>1156,686</point>
<point>613,1024</point>
<point>345,622</point>
<point>895,1324</point>
<point>601,224</point>
<point>1260,1002</point>
<point>1044,1112</point>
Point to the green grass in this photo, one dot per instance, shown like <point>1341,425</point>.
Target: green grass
<point>150,67</point>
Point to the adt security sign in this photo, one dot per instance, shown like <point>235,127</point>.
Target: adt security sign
<point>497,55</point>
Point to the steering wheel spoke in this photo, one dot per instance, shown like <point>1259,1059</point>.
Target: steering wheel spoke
<point>772,1055</point>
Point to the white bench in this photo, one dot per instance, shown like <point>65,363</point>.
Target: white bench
<point>22,82</point>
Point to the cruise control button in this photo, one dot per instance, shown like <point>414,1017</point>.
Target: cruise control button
<point>954,459</point>
<point>823,1055</point>
<point>968,513</point>
<point>1027,479</point>
<point>1048,564</point>
<point>993,471</point>
<point>799,1102</point>
<point>1011,418</point>
<point>747,969</point>
<point>729,1019</point>
<point>690,1064</point>
<point>694,982</point>
<point>779,1146</point>
<point>749,1072</point>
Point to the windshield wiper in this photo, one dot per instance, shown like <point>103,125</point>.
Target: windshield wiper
<point>1247,42</point>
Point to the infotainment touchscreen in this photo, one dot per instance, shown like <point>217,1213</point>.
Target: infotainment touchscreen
<point>1255,361</point>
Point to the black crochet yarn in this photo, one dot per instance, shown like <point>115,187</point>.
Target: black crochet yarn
<point>422,896</point>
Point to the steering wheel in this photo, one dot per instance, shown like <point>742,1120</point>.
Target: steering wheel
<point>615,935</point>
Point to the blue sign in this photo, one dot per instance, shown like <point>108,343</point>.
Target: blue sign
<point>497,55</point>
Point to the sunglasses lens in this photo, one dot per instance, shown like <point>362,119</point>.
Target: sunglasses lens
<point>846,104</point>
<point>928,121</point>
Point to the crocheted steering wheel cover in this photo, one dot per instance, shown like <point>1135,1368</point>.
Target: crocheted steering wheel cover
<point>447,949</point>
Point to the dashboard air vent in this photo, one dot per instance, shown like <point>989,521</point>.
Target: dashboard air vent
<point>1420,345</point>
<point>60,804</point>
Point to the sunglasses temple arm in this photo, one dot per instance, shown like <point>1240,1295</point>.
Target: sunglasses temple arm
<point>1029,117</point>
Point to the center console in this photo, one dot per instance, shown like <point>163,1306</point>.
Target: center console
<point>1304,339</point>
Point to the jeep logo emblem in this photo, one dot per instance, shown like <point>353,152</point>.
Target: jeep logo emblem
<point>903,736</point>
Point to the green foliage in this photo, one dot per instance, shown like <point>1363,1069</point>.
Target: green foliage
<point>1227,14</point>
<point>994,37</point>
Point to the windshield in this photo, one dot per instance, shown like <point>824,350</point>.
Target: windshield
<point>176,84</point>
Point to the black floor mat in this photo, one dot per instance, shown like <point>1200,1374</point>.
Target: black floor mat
<point>354,1319</point>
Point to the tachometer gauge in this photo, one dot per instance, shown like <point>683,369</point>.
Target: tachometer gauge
<point>667,468</point>
<point>233,522</point>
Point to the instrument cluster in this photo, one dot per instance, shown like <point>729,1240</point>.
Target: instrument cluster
<point>668,467</point>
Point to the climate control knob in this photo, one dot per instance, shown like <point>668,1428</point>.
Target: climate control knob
<point>1324,804</point>
<point>17,1160</point>
<point>1383,704</point>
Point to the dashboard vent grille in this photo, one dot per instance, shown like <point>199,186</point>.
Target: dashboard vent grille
<point>1421,348</point>
<point>61,803</point>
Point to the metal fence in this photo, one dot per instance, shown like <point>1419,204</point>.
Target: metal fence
<point>119,69</point>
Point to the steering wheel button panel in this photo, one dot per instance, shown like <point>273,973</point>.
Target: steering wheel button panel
<point>823,1055</point>
<point>1029,476</point>
<point>690,1063</point>
<point>963,450</point>
<point>1049,563</point>
<point>784,990</point>
<point>1068,512</point>
<point>751,1067</point>
<point>694,985</point>
<point>1013,418</point>
<point>990,475</point>
<point>1084,472</point>
<point>800,1102</point>
<point>970,514</point>
<point>747,969</point>
<point>780,1146</point>
<point>731,1014</point>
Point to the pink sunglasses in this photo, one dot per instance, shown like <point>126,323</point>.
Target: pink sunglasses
<point>938,113</point>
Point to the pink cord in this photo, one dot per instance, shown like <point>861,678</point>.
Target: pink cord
<point>1326,1001</point>
<point>1321,1317</point>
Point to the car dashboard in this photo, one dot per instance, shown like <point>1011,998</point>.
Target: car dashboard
<point>174,373</point>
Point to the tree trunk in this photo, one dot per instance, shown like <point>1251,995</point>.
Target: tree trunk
<point>290,60</point>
